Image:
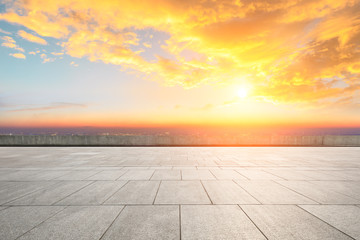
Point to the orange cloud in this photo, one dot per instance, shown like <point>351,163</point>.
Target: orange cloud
<point>288,51</point>
<point>74,64</point>
<point>57,53</point>
<point>147,45</point>
<point>31,37</point>
<point>9,42</point>
<point>18,55</point>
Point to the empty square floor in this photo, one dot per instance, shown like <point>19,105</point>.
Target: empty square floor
<point>179,193</point>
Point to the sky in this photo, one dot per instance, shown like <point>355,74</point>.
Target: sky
<point>180,63</point>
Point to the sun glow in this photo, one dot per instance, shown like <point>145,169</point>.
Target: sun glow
<point>242,92</point>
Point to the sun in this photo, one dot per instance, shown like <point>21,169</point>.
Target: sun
<point>242,93</point>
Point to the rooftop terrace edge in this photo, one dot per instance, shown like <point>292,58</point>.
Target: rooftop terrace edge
<point>154,140</point>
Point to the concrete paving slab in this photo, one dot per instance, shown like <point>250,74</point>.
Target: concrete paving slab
<point>345,218</point>
<point>83,168</point>
<point>6,171</point>
<point>107,175</point>
<point>161,168</point>
<point>322,175</point>
<point>12,190</point>
<point>227,174</point>
<point>47,175</point>
<point>288,174</point>
<point>352,175</point>
<point>290,222</point>
<point>348,188</point>
<point>185,168</point>
<point>317,193</point>
<point>15,221</point>
<point>51,194</point>
<point>135,192</point>
<point>203,163</point>
<point>78,175</point>
<point>32,175</point>
<point>257,175</point>
<point>21,175</point>
<point>197,175</point>
<point>269,192</point>
<point>137,175</point>
<point>76,223</point>
<point>208,168</point>
<point>166,175</point>
<point>93,194</point>
<point>108,168</point>
<point>135,168</point>
<point>181,192</point>
<point>216,222</point>
<point>227,192</point>
<point>146,222</point>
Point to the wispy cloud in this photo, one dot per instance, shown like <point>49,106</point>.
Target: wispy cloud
<point>74,64</point>
<point>53,106</point>
<point>5,32</point>
<point>9,42</point>
<point>46,59</point>
<point>32,38</point>
<point>57,53</point>
<point>18,55</point>
<point>147,44</point>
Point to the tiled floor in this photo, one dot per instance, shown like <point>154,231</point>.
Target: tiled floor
<point>179,193</point>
